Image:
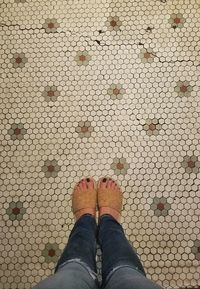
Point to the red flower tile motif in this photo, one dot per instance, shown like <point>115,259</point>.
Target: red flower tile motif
<point>160,206</point>
<point>51,168</point>
<point>17,131</point>
<point>146,55</point>
<point>116,91</point>
<point>82,58</point>
<point>191,164</point>
<point>51,252</point>
<point>196,249</point>
<point>19,60</point>
<point>183,88</point>
<point>50,93</point>
<point>16,211</point>
<point>84,129</point>
<point>120,166</point>
<point>51,25</point>
<point>113,23</point>
<point>176,20</point>
<point>152,126</point>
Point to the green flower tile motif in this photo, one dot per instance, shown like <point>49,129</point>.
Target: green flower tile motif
<point>51,168</point>
<point>19,60</point>
<point>82,58</point>
<point>160,206</point>
<point>152,126</point>
<point>191,164</point>
<point>84,129</point>
<point>183,88</point>
<point>50,93</point>
<point>116,91</point>
<point>120,166</point>
<point>50,25</point>
<point>113,23</point>
<point>176,20</point>
<point>16,211</point>
<point>196,249</point>
<point>51,252</point>
<point>146,55</point>
<point>17,131</point>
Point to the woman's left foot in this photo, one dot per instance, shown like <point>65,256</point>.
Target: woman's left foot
<point>84,198</point>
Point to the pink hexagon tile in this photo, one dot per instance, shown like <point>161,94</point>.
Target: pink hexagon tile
<point>51,168</point>
<point>16,211</point>
<point>17,131</point>
<point>82,58</point>
<point>113,23</point>
<point>176,20</point>
<point>51,252</point>
<point>19,60</point>
<point>50,25</point>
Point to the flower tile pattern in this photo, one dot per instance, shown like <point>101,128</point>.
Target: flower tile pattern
<point>191,164</point>
<point>50,93</point>
<point>84,129</point>
<point>51,168</point>
<point>113,23</point>
<point>82,58</point>
<point>51,252</point>
<point>50,25</point>
<point>177,20</point>
<point>120,166</point>
<point>146,55</point>
<point>100,88</point>
<point>183,88</point>
<point>160,206</point>
<point>16,211</point>
<point>17,131</point>
<point>152,126</point>
<point>19,60</point>
<point>196,249</point>
<point>116,91</point>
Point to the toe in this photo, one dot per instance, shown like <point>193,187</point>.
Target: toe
<point>114,186</point>
<point>103,183</point>
<point>110,184</point>
<point>86,183</point>
<point>81,185</point>
<point>90,183</point>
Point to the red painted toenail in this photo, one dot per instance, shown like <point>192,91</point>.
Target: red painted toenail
<point>88,180</point>
<point>104,180</point>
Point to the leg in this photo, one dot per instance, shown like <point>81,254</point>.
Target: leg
<point>76,267</point>
<point>116,250</point>
<point>81,244</point>
<point>121,266</point>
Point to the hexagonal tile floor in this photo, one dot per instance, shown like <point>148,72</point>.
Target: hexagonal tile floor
<point>94,88</point>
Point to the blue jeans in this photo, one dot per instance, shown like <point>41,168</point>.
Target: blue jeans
<point>76,268</point>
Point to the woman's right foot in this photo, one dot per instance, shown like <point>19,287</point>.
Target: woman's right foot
<point>109,198</point>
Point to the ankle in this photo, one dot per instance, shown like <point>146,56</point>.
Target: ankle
<point>82,212</point>
<point>110,211</point>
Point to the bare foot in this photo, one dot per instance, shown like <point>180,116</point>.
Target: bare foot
<point>109,198</point>
<point>84,198</point>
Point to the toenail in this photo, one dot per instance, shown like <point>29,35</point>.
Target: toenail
<point>104,180</point>
<point>88,180</point>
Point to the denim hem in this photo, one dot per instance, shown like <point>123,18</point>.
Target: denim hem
<point>83,264</point>
<point>117,268</point>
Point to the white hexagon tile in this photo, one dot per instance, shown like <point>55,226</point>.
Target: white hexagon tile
<point>94,88</point>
